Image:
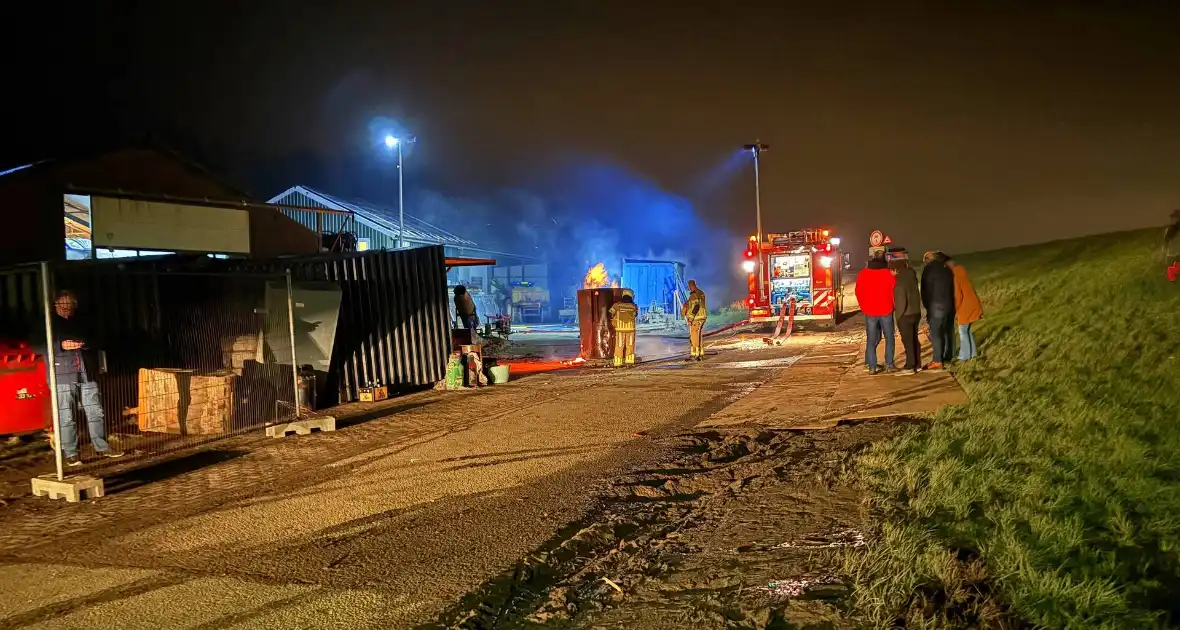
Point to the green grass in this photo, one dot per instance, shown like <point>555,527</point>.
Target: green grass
<point>1053,498</point>
<point>726,315</point>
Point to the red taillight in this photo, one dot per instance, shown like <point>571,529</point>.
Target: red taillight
<point>751,301</point>
<point>749,254</point>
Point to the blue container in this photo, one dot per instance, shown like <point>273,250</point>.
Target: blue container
<point>656,283</point>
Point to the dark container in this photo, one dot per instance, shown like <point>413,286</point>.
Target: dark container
<point>594,326</point>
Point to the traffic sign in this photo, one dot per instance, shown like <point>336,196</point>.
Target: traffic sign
<point>888,241</point>
<point>876,239</point>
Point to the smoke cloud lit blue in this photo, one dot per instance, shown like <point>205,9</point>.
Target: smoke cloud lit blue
<point>590,213</point>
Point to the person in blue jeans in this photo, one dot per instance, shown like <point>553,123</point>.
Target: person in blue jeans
<point>874,292</point>
<point>74,365</point>
<point>938,296</point>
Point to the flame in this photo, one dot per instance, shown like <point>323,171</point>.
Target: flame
<point>596,277</point>
<point>574,361</point>
<point>614,284</point>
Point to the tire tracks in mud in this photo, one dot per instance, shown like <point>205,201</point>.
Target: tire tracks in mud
<point>721,532</point>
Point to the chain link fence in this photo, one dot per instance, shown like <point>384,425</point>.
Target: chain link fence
<point>140,362</point>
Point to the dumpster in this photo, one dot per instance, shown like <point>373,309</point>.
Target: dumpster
<point>24,389</point>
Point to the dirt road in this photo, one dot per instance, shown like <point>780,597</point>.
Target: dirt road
<point>418,513</point>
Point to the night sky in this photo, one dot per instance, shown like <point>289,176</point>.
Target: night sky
<point>964,128</point>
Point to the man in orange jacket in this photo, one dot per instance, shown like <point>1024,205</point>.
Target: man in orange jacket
<point>874,292</point>
<point>968,310</point>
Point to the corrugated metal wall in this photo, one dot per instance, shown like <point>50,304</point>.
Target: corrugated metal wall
<point>394,323</point>
<point>22,314</point>
<point>655,282</point>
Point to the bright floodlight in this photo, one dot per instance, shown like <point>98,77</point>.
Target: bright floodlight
<point>835,240</point>
<point>390,141</point>
<point>749,266</point>
<point>825,261</point>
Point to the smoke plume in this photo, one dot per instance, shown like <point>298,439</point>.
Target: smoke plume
<point>591,213</point>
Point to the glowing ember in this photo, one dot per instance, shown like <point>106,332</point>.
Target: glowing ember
<point>596,277</point>
<point>575,361</point>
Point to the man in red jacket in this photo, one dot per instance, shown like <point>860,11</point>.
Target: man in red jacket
<point>874,291</point>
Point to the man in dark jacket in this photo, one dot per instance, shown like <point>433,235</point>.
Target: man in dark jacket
<point>874,292</point>
<point>907,310</point>
<point>938,296</point>
<point>465,310</point>
<point>75,364</point>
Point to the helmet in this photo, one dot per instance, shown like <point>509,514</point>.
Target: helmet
<point>628,293</point>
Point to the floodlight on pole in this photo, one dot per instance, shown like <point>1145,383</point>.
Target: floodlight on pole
<point>391,142</point>
<point>756,150</point>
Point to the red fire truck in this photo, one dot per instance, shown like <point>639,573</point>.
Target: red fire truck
<point>806,265</point>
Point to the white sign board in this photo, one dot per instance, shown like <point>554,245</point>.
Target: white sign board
<point>132,224</point>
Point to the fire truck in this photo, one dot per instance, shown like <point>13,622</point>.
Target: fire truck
<point>806,265</point>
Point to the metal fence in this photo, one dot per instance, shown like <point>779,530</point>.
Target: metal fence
<point>145,361</point>
<point>394,325</point>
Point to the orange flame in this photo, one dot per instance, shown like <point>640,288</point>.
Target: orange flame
<point>574,361</point>
<point>596,277</point>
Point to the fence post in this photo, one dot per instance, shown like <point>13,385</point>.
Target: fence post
<point>291,329</point>
<point>51,364</point>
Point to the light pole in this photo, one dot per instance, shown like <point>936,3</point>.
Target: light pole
<point>756,149</point>
<point>391,142</point>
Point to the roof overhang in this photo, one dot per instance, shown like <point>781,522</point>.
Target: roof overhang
<point>469,262</point>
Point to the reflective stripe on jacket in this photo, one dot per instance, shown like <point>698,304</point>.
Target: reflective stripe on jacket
<point>695,309</point>
<point>623,316</point>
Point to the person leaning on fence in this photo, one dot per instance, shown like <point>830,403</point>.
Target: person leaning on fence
<point>75,364</point>
<point>696,312</point>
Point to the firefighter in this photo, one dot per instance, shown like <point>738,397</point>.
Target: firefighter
<point>623,316</point>
<point>695,312</point>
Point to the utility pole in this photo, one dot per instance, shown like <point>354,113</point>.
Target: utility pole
<point>401,201</point>
<point>756,150</point>
<point>392,142</point>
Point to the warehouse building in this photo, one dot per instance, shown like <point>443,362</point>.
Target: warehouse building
<point>516,284</point>
<point>138,202</point>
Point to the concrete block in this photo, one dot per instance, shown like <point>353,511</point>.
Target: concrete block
<point>302,427</point>
<point>71,488</point>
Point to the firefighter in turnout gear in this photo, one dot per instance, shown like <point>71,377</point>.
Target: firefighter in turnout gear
<point>623,316</point>
<point>696,312</point>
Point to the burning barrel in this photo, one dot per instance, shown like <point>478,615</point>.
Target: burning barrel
<point>594,326</point>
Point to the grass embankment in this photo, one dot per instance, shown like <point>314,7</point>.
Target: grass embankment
<point>727,315</point>
<point>1053,498</point>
